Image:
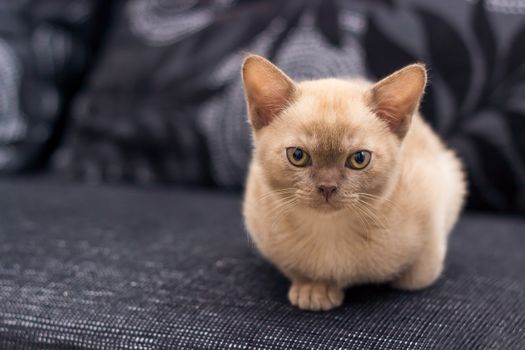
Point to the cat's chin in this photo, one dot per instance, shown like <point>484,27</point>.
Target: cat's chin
<point>327,207</point>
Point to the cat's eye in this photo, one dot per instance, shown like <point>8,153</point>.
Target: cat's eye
<point>359,160</point>
<point>297,156</point>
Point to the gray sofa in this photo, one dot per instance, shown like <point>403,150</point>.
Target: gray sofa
<point>113,267</point>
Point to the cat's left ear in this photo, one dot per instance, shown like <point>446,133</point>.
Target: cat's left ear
<point>396,98</point>
<point>268,90</point>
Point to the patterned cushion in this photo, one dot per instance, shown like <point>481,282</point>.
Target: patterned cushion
<point>45,48</point>
<point>166,104</point>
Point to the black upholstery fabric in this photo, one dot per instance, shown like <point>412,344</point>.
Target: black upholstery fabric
<point>85,267</point>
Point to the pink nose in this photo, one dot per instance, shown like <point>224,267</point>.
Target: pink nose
<point>327,190</point>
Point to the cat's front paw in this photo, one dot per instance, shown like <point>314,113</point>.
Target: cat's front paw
<point>315,296</point>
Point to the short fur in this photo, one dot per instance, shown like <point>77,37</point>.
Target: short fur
<point>388,222</point>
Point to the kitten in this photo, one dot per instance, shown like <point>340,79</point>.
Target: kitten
<point>347,183</point>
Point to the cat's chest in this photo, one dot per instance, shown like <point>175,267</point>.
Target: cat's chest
<point>338,248</point>
<point>332,232</point>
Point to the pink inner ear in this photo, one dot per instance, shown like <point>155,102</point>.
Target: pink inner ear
<point>398,119</point>
<point>269,105</point>
<point>268,90</point>
<point>396,98</point>
<point>389,112</point>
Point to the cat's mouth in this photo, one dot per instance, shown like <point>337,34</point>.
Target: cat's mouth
<point>328,205</point>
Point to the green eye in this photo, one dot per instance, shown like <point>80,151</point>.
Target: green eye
<point>297,156</point>
<point>359,160</point>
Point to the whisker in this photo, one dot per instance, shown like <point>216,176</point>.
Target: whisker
<point>282,191</point>
<point>374,215</point>
<point>282,210</point>
<point>383,200</point>
<point>363,221</point>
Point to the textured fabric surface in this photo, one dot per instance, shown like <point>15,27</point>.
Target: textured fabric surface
<point>165,104</point>
<point>115,268</point>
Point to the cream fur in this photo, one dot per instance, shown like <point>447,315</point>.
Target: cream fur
<point>394,231</point>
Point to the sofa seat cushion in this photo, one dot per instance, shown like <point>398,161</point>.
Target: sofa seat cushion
<point>87,267</point>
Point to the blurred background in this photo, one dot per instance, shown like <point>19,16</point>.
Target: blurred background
<point>148,92</point>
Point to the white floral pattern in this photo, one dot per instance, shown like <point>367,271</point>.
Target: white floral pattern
<point>12,123</point>
<point>305,54</point>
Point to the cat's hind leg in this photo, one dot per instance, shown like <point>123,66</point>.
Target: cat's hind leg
<point>427,268</point>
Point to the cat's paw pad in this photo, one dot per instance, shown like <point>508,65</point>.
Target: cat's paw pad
<point>315,296</point>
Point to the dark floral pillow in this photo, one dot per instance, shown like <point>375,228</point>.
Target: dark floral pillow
<point>45,48</point>
<point>476,99</point>
<point>166,104</point>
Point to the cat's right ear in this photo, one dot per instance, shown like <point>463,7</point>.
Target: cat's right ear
<point>267,89</point>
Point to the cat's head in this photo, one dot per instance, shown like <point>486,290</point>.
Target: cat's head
<point>328,144</point>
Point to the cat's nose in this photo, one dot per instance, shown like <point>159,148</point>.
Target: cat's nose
<point>327,190</point>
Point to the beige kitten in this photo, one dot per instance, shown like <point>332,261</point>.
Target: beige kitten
<point>347,183</point>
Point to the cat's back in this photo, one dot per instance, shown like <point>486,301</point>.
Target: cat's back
<point>432,177</point>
